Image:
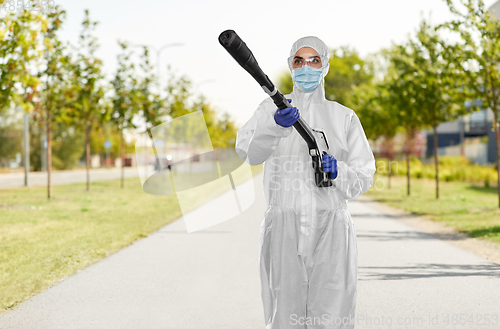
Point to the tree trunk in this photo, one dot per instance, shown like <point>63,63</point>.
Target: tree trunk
<point>434,128</point>
<point>49,157</point>
<point>410,142</point>
<point>391,157</point>
<point>494,100</point>
<point>87,152</point>
<point>408,173</point>
<point>123,159</point>
<point>26,147</point>
<point>390,174</point>
<point>497,139</point>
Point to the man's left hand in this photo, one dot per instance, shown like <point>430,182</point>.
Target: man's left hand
<point>330,165</point>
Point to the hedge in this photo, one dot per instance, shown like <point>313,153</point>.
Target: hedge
<point>451,168</point>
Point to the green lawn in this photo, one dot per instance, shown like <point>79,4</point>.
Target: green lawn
<point>470,209</point>
<point>43,241</point>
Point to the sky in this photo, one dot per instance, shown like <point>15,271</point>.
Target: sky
<point>269,28</point>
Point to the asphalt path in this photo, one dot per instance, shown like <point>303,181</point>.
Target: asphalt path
<point>209,279</point>
<point>63,177</point>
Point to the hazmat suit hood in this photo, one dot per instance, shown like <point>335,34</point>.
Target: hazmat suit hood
<point>318,94</point>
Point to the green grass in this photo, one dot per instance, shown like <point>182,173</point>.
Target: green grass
<point>43,241</point>
<point>470,209</point>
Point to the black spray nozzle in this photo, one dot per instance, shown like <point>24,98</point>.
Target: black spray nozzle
<point>226,38</point>
<point>239,50</point>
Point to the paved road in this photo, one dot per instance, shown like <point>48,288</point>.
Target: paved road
<point>64,177</point>
<point>209,279</point>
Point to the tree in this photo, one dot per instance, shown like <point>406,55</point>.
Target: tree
<point>11,132</point>
<point>126,102</point>
<point>67,146</point>
<point>376,111</point>
<point>223,132</point>
<point>179,96</point>
<point>20,50</point>
<point>7,65</point>
<point>403,90</point>
<point>89,101</point>
<point>347,70</point>
<point>110,133</point>
<point>152,107</point>
<point>479,57</point>
<point>432,83</point>
<point>180,101</point>
<point>222,129</point>
<point>57,88</point>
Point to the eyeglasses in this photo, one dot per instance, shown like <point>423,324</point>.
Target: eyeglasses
<point>298,61</point>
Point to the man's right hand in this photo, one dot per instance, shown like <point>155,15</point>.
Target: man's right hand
<point>286,117</point>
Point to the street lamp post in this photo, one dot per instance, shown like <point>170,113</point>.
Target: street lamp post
<point>158,53</point>
<point>158,61</point>
<point>197,85</point>
<point>26,146</point>
<point>204,82</point>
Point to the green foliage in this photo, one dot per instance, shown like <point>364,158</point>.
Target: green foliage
<point>67,146</point>
<point>225,135</point>
<point>347,70</point>
<point>424,80</point>
<point>98,137</point>
<point>479,55</point>
<point>179,96</point>
<point>112,133</point>
<point>57,88</point>
<point>180,101</point>
<point>20,48</point>
<point>57,78</point>
<point>11,136</point>
<point>89,89</point>
<point>41,73</point>
<point>372,103</point>
<point>36,146</point>
<point>222,130</point>
<point>451,168</point>
<point>126,101</point>
<point>285,83</point>
<point>151,104</point>
<point>425,90</point>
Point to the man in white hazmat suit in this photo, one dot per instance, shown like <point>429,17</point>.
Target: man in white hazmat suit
<point>307,243</point>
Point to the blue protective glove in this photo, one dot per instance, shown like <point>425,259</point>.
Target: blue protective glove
<point>330,165</point>
<point>286,117</point>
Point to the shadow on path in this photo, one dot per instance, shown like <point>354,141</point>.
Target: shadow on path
<point>408,235</point>
<point>430,270</point>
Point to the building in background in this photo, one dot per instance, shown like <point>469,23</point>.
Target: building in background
<point>471,135</point>
<point>495,9</point>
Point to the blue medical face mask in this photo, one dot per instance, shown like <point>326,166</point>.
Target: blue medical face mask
<point>307,78</point>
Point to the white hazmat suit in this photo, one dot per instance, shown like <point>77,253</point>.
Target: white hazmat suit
<point>307,243</point>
